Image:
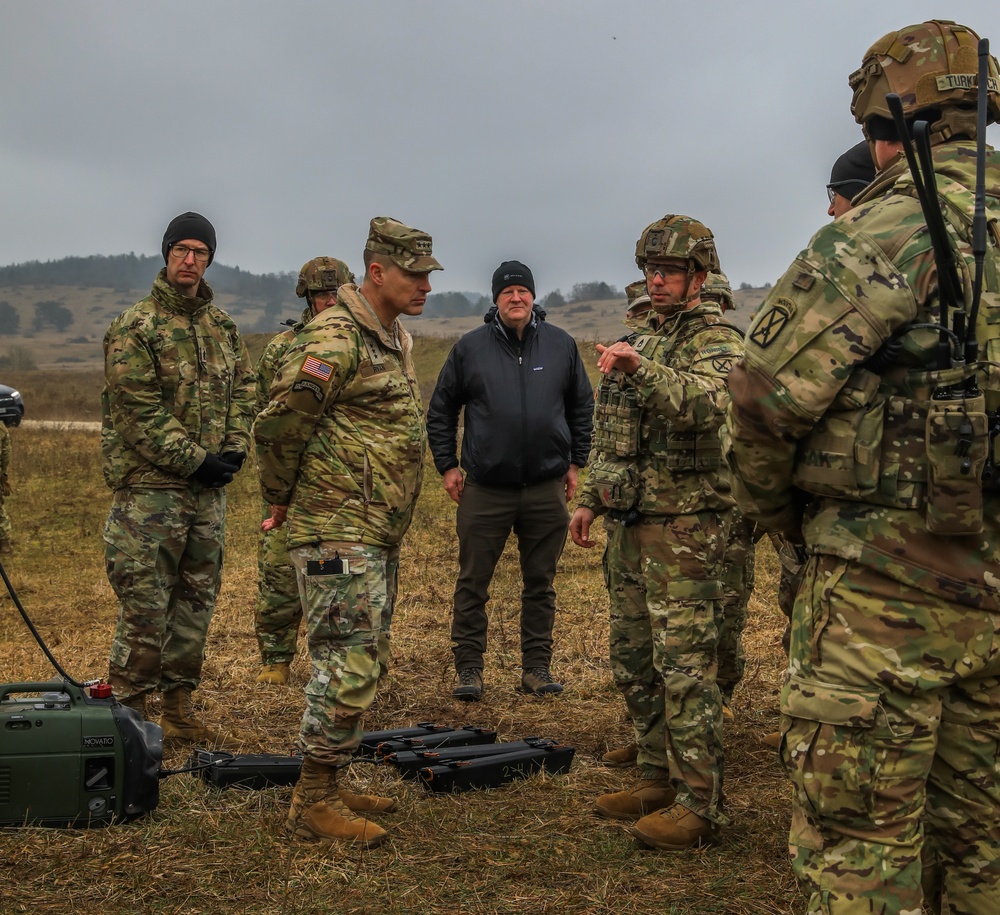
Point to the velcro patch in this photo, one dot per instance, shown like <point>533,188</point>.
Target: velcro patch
<point>317,368</point>
<point>804,281</point>
<point>310,386</point>
<point>723,366</point>
<point>770,324</point>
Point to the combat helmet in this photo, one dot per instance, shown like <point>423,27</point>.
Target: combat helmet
<point>718,289</point>
<point>932,67</point>
<point>681,237</point>
<point>322,273</point>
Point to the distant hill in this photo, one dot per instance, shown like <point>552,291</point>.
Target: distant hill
<point>54,313</point>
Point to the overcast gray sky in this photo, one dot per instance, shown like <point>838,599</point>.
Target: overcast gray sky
<point>548,131</point>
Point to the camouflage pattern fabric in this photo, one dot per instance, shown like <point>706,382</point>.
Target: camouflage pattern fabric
<point>663,580</point>
<point>345,614</point>
<point>891,707</point>
<point>737,586</point>
<point>342,444</point>
<point>278,609</point>
<point>891,734</point>
<point>664,574</point>
<point>163,554</point>
<point>178,384</point>
<point>4,480</point>
<point>344,429</point>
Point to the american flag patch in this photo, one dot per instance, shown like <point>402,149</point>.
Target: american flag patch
<point>317,368</point>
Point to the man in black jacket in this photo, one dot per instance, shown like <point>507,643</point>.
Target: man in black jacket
<point>528,420</point>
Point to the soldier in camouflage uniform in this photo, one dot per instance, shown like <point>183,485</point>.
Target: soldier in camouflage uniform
<point>176,412</point>
<point>853,434</point>
<point>340,449</point>
<point>279,609</point>
<point>738,576</point>
<point>656,478</point>
<point>5,490</point>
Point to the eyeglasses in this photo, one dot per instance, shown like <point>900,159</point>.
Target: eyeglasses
<point>201,255</point>
<point>664,270</point>
<point>324,295</point>
<point>831,193</point>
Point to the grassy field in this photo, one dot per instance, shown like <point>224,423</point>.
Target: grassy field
<point>531,846</point>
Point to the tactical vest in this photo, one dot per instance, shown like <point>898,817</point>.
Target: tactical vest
<point>917,438</point>
<point>636,446</point>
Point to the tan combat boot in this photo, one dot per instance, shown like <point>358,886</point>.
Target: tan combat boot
<point>178,721</point>
<point>621,758</point>
<point>366,803</point>
<point>649,795</point>
<point>275,674</point>
<point>773,739</point>
<point>319,814</point>
<point>136,702</point>
<point>674,829</point>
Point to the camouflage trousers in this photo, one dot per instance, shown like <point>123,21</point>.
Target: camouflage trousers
<point>737,586</point>
<point>279,609</point>
<point>348,616</point>
<point>163,554</point>
<point>891,735</point>
<point>664,582</point>
<point>4,519</point>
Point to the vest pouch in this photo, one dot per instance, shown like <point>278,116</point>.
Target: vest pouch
<point>616,482</point>
<point>616,420</point>
<point>957,450</point>
<point>841,457</point>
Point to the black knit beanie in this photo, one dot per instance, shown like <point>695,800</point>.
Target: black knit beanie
<point>189,225</point>
<point>512,273</point>
<point>853,171</point>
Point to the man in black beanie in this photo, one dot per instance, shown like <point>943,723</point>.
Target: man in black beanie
<point>177,406</point>
<point>853,171</point>
<point>528,420</point>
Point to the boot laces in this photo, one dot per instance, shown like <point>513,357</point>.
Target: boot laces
<point>470,676</point>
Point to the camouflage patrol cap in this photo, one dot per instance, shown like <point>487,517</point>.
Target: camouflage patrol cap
<point>931,66</point>
<point>678,237</point>
<point>718,289</point>
<point>408,248</point>
<point>635,290</point>
<point>322,273</point>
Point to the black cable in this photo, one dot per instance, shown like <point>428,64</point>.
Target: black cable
<point>34,631</point>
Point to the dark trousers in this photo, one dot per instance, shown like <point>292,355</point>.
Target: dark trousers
<point>486,516</point>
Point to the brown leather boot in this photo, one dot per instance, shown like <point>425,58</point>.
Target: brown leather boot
<point>137,702</point>
<point>366,803</point>
<point>773,739</point>
<point>275,674</point>
<point>621,758</point>
<point>649,795</point>
<point>674,829</point>
<point>318,814</point>
<point>177,718</point>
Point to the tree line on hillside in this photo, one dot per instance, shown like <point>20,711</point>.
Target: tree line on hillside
<point>133,273</point>
<point>459,304</point>
<point>130,272</point>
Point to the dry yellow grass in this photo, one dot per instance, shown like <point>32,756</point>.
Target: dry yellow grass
<point>530,846</point>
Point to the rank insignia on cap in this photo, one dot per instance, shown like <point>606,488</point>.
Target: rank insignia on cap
<point>770,324</point>
<point>317,368</point>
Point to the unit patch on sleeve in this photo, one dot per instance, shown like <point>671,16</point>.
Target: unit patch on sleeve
<point>771,323</point>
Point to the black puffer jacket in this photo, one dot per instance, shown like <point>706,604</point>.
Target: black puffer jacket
<point>529,405</point>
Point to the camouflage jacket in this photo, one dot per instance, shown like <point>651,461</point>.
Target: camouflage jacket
<point>274,353</point>
<point>177,384</point>
<point>680,392</point>
<point>4,457</point>
<point>342,440</point>
<point>831,450</point>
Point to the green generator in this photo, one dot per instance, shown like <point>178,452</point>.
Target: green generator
<point>71,759</point>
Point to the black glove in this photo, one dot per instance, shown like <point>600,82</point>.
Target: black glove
<point>236,458</point>
<point>214,472</point>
